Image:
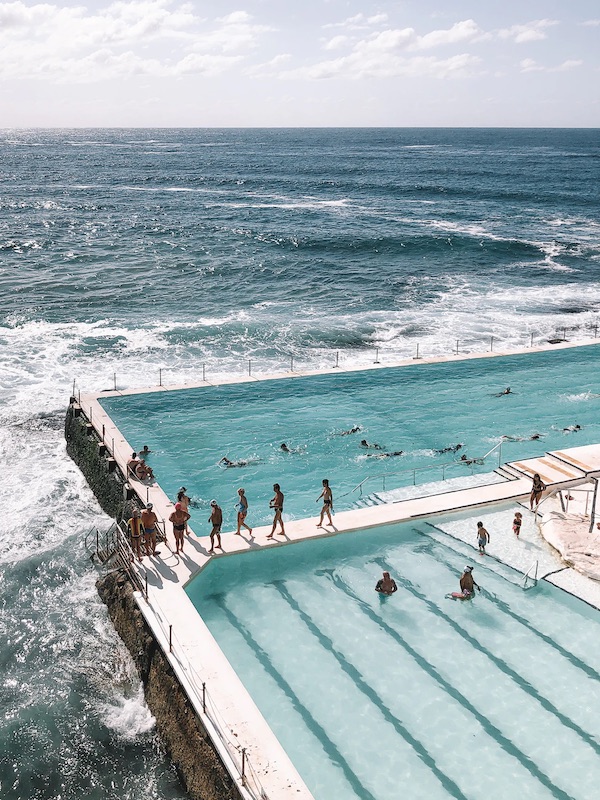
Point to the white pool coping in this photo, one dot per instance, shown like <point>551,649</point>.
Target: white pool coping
<point>195,655</point>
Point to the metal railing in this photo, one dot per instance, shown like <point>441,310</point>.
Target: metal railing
<point>414,471</point>
<point>493,342</point>
<point>246,773</point>
<point>534,567</point>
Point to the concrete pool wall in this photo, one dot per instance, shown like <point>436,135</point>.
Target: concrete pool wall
<point>239,732</point>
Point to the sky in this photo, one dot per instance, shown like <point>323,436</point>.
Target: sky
<point>300,63</point>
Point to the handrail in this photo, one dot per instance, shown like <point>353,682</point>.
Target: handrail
<point>535,564</point>
<point>447,465</point>
<point>236,752</point>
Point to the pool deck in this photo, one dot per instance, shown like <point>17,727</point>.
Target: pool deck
<point>194,653</point>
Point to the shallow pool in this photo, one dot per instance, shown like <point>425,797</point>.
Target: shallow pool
<point>492,698</point>
<point>416,409</point>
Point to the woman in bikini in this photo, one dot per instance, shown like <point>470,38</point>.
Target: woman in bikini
<point>537,489</point>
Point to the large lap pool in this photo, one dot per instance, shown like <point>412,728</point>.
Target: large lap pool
<point>417,409</point>
<point>414,694</point>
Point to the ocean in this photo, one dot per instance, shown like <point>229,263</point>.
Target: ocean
<point>126,252</point>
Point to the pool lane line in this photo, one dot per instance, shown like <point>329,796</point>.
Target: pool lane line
<point>325,642</point>
<point>507,745</point>
<point>311,723</point>
<point>566,654</point>
<point>518,679</point>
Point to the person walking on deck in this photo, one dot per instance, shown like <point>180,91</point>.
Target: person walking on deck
<point>327,496</point>
<point>277,505</point>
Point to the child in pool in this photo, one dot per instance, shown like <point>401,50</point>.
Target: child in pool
<point>517,523</point>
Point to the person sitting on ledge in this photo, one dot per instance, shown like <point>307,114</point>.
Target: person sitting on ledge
<point>143,471</point>
<point>132,466</point>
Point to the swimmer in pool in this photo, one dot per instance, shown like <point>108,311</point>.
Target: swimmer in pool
<point>240,462</point>
<point>508,390</point>
<point>452,449</point>
<point>354,429</point>
<point>364,443</point>
<point>572,428</point>
<point>386,455</point>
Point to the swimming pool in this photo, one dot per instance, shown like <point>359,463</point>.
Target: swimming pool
<point>416,409</point>
<point>496,697</point>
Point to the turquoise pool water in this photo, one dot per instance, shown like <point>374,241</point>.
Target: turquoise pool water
<point>414,694</point>
<point>416,409</point>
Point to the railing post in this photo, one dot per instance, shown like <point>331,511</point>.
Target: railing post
<point>97,541</point>
<point>103,432</point>
<point>443,472</point>
<point>115,381</point>
<point>565,334</point>
<point>414,477</point>
<point>147,495</point>
<point>90,413</point>
<point>491,344</point>
<point>457,347</point>
<point>243,766</point>
<point>291,363</point>
<point>383,484</point>
<point>376,356</point>
<point>249,367</point>
<point>160,377</point>
<point>146,586</point>
<point>113,446</point>
<point>204,697</point>
<point>73,392</point>
<point>337,359</point>
<point>79,396</point>
<point>170,638</point>
<point>531,341</point>
<point>204,372</point>
<point>417,355</point>
<point>595,331</point>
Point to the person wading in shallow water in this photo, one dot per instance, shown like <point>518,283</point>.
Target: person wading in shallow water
<point>386,585</point>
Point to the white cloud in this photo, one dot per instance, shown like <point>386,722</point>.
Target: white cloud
<point>591,23</point>
<point>460,32</point>
<point>336,43</point>
<point>359,22</point>
<point>149,37</point>
<point>529,65</point>
<point>530,32</point>
<point>377,64</point>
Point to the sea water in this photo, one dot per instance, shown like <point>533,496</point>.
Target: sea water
<point>123,252</point>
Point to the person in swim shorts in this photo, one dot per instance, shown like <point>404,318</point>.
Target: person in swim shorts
<point>327,496</point>
<point>483,538</point>
<point>185,503</point>
<point>277,505</point>
<point>216,518</point>
<point>242,511</point>
<point>179,518</point>
<point>135,531</point>
<point>149,521</point>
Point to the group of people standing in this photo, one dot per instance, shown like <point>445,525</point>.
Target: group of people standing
<point>146,524</point>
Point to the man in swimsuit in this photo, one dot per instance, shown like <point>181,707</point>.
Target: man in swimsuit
<point>179,519</point>
<point>277,505</point>
<point>143,471</point>
<point>185,503</point>
<point>327,496</point>
<point>149,520</point>
<point>467,583</point>
<point>386,585</point>
<point>216,518</point>
<point>135,531</point>
<point>483,537</point>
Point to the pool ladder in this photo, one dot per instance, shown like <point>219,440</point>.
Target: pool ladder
<point>533,567</point>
